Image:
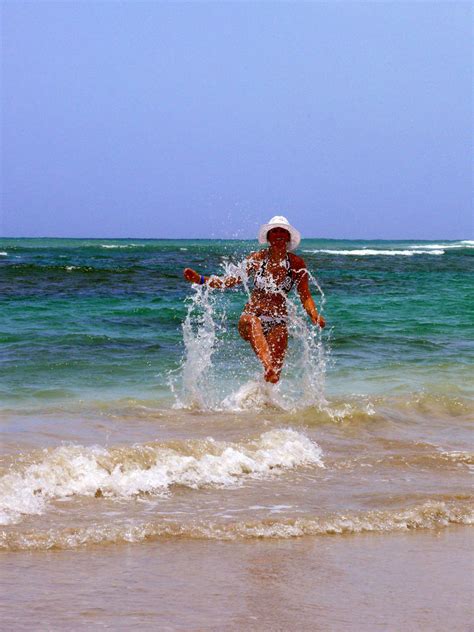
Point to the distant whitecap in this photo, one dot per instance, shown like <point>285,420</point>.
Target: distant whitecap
<point>369,252</point>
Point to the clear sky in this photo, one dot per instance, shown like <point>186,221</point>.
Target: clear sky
<point>195,119</point>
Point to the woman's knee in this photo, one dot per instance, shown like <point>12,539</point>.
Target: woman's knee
<point>246,322</point>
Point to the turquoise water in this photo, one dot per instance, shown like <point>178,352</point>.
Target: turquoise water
<point>99,320</point>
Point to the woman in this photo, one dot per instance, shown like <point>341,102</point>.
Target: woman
<point>275,270</point>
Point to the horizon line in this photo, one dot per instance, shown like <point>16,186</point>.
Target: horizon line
<point>237,238</point>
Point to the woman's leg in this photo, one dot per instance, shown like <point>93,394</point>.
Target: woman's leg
<point>277,339</point>
<point>250,328</point>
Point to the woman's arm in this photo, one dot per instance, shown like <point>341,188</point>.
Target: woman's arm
<point>219,282</point>
<point>212,281</point>
<point>302,284</point>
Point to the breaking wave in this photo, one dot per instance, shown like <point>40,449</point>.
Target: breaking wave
<point>407,250</point>
<point>427,515</point>
<point>365,252</point>
<point>114,246</point>
<point>123,473</point>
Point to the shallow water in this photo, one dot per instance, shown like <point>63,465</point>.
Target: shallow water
<point>135,419</point>
<point>108,479</point>
<point>403,581</point>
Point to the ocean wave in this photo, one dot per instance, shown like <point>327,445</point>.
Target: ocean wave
<point>112,246</point>
<point>366,252</point>
<point>3,254</point>
<point>353,409</point>
<point>426,459</point>
<point>148,469</point>
<point>427,515</point>
<point>373,409</point>
<point>460,244</point>
<point>458,457</point>
<point>42,268</point>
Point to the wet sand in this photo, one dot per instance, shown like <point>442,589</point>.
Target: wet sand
<point>398,581</point>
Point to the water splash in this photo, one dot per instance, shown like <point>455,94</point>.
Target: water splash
<point>207,384</point>
<point>308,356</point>
<point>200,338</point>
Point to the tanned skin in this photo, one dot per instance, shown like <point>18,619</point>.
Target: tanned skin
<point>270,348</point>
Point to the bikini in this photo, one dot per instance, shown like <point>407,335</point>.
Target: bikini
<point>263,282</point>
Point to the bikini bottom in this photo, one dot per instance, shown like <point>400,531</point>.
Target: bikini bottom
<point>269,322</point>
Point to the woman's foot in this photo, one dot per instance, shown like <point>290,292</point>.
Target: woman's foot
<point>271,375</point>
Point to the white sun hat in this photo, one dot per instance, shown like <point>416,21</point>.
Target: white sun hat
<point>280,222</point>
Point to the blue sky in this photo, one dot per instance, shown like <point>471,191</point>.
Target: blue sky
<point>151,119</point>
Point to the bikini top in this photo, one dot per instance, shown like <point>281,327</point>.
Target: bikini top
<point>265,282</point>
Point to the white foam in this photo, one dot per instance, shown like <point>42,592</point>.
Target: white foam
<point>123,473</point>
<point>3,254</point>
<point>430,246</point>
<point>254,395</point>
<point>366,252</point>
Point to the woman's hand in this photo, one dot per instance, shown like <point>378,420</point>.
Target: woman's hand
<point>317,319</point>
<point>191,275</point>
